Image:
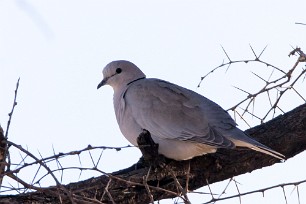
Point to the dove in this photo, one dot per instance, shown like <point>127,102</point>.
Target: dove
<point>182,122</point>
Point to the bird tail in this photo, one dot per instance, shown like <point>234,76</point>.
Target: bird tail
<point>241,139</point>
<point>266,150</point>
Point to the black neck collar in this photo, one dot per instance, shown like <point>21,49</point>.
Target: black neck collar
<point>135,80</point>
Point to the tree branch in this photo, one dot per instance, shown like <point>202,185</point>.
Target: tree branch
<point>285,133</point>
<point>3,150</point>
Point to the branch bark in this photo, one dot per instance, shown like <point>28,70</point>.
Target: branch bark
<point>286,134</point>
<point>3,154</point>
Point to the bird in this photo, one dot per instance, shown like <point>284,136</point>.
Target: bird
<point>182,122</point>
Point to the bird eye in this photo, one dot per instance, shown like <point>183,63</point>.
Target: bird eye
<point>118,70</point>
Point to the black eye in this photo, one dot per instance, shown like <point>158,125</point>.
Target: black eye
<point>118,70</point>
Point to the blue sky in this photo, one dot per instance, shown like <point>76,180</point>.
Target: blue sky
<point>59,48</point>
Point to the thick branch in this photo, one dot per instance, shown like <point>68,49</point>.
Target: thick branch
<point>3,151</point>
<point>286,134</point>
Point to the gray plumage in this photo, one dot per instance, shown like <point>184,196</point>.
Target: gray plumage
<point>184,123</point>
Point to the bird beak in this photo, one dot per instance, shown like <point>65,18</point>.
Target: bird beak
<point>102,83</point>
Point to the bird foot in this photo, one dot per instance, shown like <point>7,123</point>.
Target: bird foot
<point>149,150</point>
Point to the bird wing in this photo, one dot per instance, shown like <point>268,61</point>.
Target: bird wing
<point>172,112</point>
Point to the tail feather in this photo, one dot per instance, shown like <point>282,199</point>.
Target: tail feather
<point>266,150</point>
<point>257,146</point>
<point>243,140</point>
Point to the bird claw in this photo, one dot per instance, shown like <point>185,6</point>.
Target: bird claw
<point>149,150</point>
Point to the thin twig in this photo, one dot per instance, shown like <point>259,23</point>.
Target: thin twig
<point>237,190</point>
<point>179,186</point>
<point>256,191</point>
<point>108,193</point>
<point>187,177</point>
<point>280,85</point>
<point>4,153</point>
<point>226,187</point>
<point>301,23</point>
<point>145,183</point>
<point>12,111</point>
<point>211,193</point>
<point>46,167</point>
<point>284,194</point>
<point>298,194</point>
<point>61,155</point>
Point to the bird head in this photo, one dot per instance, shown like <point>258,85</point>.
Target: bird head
<point>120,73</point>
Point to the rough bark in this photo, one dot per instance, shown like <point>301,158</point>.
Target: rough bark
<point>2,154</point>
<point>286,134</point>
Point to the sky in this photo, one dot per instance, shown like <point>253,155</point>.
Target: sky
<point>59,48</point>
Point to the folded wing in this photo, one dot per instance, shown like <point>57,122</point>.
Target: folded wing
<point>172,112</point>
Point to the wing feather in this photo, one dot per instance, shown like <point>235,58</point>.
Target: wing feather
<point>172,112</point>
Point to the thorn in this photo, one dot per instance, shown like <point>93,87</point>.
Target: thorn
<point>262,51</point>
<point>259,77</point>
<point>249,94</point>
<point>256,58</point>
<point>229,59</point>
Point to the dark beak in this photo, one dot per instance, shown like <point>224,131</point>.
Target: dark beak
<point>102,83</point>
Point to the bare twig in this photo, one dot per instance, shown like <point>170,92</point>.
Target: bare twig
<point>145,183</point>
<point>139,184</point>
<point>256,191</point>
<point>281,85</point>
<point>298,193</point>
<point>187,177</point>
<point>3,144</point>
<point>59,185</point>
<point>211,193</point>
<point>284,194</point>
<point>12,111</point>
<point>226,187</point>
<point>108,193</point>
<point>61,155</point>
<point>237,190</point>
<point>301,23</point>
<point>179,186</point>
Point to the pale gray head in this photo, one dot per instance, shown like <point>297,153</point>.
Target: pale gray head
<point>120,73</point>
